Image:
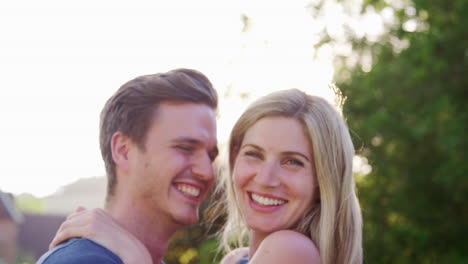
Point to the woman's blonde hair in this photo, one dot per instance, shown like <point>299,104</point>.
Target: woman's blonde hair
<point>334,223</point>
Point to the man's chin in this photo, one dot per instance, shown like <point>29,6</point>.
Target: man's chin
<point>186,219</point>
<point>186,222</point>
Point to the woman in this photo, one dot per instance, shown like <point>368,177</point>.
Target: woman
<point>290,192</point>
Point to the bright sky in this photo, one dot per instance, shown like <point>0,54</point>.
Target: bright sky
<point>61,60</point>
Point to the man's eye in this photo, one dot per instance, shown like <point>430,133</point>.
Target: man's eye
<point>185,148</point>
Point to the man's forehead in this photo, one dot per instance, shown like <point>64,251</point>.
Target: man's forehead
<point>189,121</point>
<point>186,110</point>
<point>182,104</point>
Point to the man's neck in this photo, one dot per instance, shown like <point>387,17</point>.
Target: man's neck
<point>153,230</point>
<point>255,238</point>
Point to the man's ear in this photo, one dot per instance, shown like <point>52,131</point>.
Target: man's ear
<point>120,146</point>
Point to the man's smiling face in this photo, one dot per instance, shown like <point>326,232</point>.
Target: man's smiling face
<point>174,173</point>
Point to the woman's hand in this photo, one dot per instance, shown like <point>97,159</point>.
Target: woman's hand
<point>98,226</point>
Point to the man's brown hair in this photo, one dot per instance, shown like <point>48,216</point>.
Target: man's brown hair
<point>131,109</point>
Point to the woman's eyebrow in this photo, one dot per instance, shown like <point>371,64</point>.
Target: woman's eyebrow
<point>296,153</point>
<point>283,153</point>
<point>252,146</point>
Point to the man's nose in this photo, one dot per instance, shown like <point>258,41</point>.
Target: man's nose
<point>203,167</point>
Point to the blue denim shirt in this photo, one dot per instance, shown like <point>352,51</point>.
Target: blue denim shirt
<point>79,250</point>
<point>243,260</point>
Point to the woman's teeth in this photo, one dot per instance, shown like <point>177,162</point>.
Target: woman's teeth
<point>266,201</point>
<point>188,189</point>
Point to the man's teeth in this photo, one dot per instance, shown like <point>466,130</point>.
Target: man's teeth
<point>189,190</point>
<point>266,201</point>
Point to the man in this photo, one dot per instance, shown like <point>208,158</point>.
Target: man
<point>158,142</point>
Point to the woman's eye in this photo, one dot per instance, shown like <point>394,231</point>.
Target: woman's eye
<point>253,154</point>
<point>294,162</point>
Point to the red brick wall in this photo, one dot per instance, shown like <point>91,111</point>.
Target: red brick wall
<point>8,239</point>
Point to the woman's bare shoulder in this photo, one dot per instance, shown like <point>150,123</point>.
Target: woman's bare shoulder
<point>286,246</point>
<point>235,255</point>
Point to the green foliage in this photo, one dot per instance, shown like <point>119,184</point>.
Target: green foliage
<point>409,118</point>
<point>197,244</point>
<point>191,245</point>
<point>23,257</point>
<point>29,204</point>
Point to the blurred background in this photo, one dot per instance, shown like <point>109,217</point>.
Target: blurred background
<point>402,64</point>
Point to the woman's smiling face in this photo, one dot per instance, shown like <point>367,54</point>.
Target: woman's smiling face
<point>273,174</point>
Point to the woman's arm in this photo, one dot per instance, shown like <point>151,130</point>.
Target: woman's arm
<point>286,246</point>
<point>98,226</point>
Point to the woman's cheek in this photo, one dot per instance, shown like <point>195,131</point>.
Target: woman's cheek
<point>242,173</point>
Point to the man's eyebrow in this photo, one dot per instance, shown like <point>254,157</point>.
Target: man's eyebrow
<point>188,140</point>
<point>197,142</point>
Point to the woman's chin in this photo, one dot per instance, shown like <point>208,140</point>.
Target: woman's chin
<point>266,228</point>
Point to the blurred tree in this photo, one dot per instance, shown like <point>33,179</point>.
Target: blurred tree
<point>29,204</point>
<point>407,111</point>
<point>197,244</point>
<point>23,257</point>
